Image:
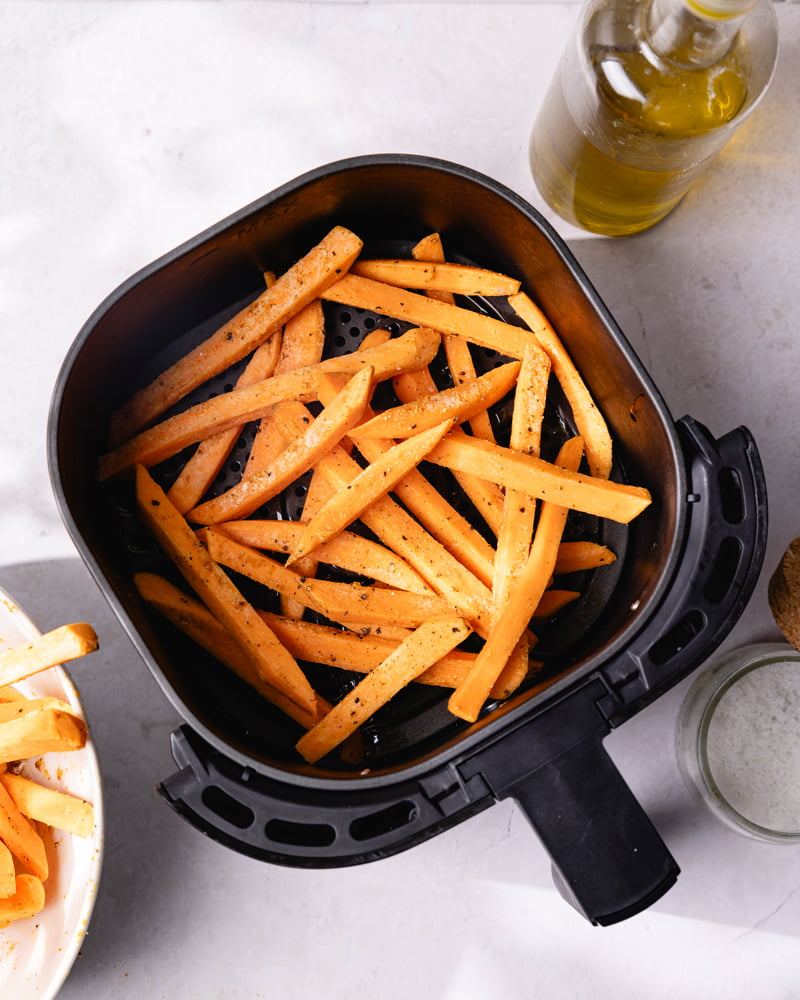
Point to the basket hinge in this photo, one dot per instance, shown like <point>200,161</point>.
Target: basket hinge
<point>450,792</point>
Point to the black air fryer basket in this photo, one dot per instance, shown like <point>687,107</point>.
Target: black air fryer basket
<point>685,568</point>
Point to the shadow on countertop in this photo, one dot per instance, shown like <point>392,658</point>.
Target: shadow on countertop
<point>156,865</point>
<point>145,843</point>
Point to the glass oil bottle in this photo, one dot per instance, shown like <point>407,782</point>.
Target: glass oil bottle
<point>645,96</point>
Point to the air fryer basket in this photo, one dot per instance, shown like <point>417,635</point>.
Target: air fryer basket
<point>686,566</point>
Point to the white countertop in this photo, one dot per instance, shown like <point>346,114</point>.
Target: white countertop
<point>128,127</point>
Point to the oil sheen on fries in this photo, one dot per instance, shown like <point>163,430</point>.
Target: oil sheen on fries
<point>437,600</point>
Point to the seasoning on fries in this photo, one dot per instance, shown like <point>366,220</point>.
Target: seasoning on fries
<point>30,727</point>
<point>436,599</point>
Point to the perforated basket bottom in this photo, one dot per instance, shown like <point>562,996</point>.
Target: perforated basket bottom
<point>416,721</point>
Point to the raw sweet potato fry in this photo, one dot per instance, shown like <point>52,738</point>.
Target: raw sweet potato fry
<point>400,532</point>
<point>348,551</point>
<point>601,497</point>
<point>336,601</point>
<point>294,289</point>
<point>419,651</point>
<point>295,459</point>
<point>450,528</point>
<point>317,494</point>
<point>469,697</point>
<point>60,645</point>
<point>486,497</point>
<point>456,404</point>
<point>413,349</point>
<point>589,420</point>
<point>456,349</point>
<point>430,566</point>
<point>21,837</point>
<point>364,293</point>
<point>303,338</point>
<point>207,460</point>
<point>49,805</point>
<point>372,483</point>
<point>553,601</point>
<point>301,345</point>
<point>575,557</point>
<point>458,279</point>
<point>426,503</point>
<point>215,588</point>
<point>334,647</point>
<point>195,620</point>
<point>27,900</point>
<point>519,509</point>
<point>518,668</point>
<point>361,653</point>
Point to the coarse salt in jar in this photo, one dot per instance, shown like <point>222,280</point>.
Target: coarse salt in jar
<point>738,741</point>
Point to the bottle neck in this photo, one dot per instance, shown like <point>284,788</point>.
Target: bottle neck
<point>694,32</point>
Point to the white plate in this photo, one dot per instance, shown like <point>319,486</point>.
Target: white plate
<point>37,954</point>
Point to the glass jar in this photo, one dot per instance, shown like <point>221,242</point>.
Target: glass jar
<point>738,741</point>
<point>646,94</point>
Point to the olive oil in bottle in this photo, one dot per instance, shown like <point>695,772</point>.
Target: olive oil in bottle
<point>646,95</point>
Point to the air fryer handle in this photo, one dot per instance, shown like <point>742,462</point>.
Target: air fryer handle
<point>609,861</point>
<point>721,558</point>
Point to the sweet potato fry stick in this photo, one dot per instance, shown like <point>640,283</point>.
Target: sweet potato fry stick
<point>456,404</point>
<point>60,645</point>
<point>353,605</point>
<point>195,620</point>
<point>348,551</point>
<point>317,494</point>
<point>413,349</point>
<point>575,557</point>
<point>336,601</point>
<point>8,693</point>
<point>41,732</point>
<point>215,588</point>
<point>21,837</point>
<point>303,338</point>
<point>309,641</point>
<point>518,667</point>
<point>457,350</point>
<point>207,460</point>
<point>540,479</point>
<point>486,497</point>
<point>414,655</point>
<point>296,458</point>
<point>469,697</point>
<point>8,876</point>
<point>441,519</point>
<point>49,805</point>
<point>519,509</point>
<point>553,601</point>
<point>294,289</point>
<point>302,344</point>
<point>27,900</point>
<point>364,293</point>
<point>11,710</point>
<point>372,483</point>
<point>403,534</point>
<point>361,653</point>
<point>588,420</point>
<point>458,279</point>
<point>426,503</point>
